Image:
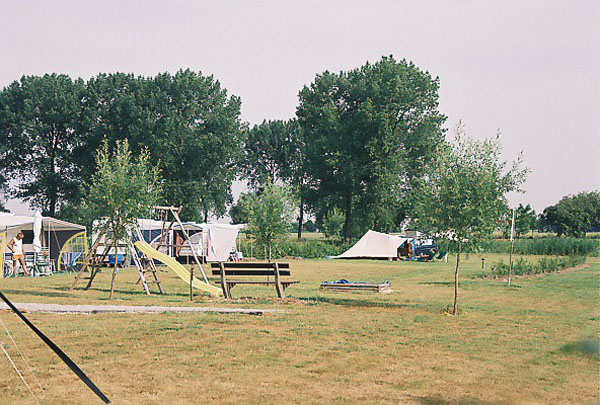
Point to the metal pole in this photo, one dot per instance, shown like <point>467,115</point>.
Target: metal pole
<point>512,243</point>
<point>189,243</point>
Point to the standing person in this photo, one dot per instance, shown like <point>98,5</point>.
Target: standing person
<point>16,247</point>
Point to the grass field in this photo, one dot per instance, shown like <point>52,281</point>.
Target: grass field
<point>519,345</point>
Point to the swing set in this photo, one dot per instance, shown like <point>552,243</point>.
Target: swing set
<point>143,255</point>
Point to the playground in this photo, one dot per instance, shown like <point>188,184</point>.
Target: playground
<point>374,348</point>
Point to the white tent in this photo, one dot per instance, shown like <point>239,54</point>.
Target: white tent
<point>52,233</point>
<point>374,245</point>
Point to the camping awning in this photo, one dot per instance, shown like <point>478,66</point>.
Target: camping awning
<point>375,245</point>
<point>8,221</point>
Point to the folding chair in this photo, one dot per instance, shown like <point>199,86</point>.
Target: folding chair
<point>43,264</point>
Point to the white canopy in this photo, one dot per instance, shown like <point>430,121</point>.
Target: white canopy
<point>374,245</point>
<point>216,241</point>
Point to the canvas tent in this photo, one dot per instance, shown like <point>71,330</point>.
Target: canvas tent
<point>38,231</point>
<point>374,245</point>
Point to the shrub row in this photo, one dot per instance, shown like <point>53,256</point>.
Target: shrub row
<point>544,265</point>
<point>546,246</point>
<point>305,248</point>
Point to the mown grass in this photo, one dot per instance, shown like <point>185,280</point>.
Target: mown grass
<point>524,344</point>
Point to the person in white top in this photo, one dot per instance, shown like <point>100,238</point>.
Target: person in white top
<point>16,247</point>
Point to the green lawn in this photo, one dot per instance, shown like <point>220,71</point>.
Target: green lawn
<point>519,345</point>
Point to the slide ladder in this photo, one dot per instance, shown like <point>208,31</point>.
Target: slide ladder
<point>176,267</point>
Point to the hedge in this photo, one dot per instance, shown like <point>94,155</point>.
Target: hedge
<point>544,265</point>
<point>305,248</point>
<point>546,246</point>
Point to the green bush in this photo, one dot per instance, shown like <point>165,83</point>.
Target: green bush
<point>546,246</point>
<point>544,265</point>
<point>305,248</point>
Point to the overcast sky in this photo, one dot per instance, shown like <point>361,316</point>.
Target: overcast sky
<point>530,68</point>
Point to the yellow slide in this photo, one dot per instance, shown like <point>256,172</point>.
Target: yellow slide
<point>177,268</point>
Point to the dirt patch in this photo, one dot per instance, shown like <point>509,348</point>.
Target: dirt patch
<point>94,309</point>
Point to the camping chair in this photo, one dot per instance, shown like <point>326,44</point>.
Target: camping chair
<point>441,254</point>
<point>42,264</point>
<point>7,269</point>
<point>8,266</point>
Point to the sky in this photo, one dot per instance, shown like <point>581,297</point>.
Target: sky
<point>530,69</point>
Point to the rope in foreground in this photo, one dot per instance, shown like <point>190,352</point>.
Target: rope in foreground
<point>58,352</point>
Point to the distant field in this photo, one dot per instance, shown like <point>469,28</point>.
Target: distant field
<point>498,234</point>
<point>308,235</point>
<point>509,345</point>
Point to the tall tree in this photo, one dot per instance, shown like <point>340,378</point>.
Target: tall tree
<point>123,188</point>
<point>266,152</point>
<point>369,133</point>
<point>574,215</point>
<point>464,195</point>
<point>270,215</point>
<point>275,150</point>
<point>38,120</point>
<point>525,221</point>
<point>188,122</point>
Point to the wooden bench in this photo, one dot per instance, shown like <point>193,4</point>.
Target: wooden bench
<point>252,269</point>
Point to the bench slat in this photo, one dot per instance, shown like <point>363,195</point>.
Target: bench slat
<point>252,282</point>
<point>250,265</point>
<point>242,272</point>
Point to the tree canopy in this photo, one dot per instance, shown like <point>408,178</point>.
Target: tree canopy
<point>188,123</point>
<point>574,215</point>
<point>38,121</point>
<point>275,150</point>
<point>369,135</point>
<point>525,220</point>
<point>52,124</point>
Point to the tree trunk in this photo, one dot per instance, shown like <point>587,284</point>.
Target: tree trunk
<point>114,273</point>
<point>269,252</point>
<point>348,220</point>
<point>52,208</point>
<point>455,309</point>
<point>301,217</point>
<point>52,200</point>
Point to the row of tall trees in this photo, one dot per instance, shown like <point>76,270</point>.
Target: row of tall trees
<point>359,145</point>
<point>51,127</point>
<point>573,215</point>
<point>360,150</point>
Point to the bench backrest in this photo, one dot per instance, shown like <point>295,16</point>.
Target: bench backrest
<point>250,269</point>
